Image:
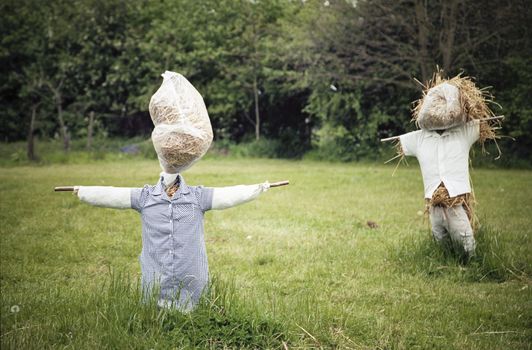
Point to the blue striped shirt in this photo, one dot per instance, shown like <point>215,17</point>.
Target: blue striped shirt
<point>173,246</point>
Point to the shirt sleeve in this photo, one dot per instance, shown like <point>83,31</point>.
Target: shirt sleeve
<point>409,142</point>
<point>472,131</point>
<point>138,197</point>
<point>227,197</point>
<point>105,196</point>
<point>204,195</point>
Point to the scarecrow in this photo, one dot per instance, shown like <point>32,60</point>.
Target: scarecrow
<point>173,256</point>
<point>452,115</point>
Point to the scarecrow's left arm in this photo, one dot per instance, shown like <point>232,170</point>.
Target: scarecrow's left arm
<point>472,131</point>
<point>227,197</point>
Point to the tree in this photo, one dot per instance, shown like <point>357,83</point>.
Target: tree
<point>32,92</point>
<point>248,49</point>
<point>337,73</point>
<point>109,65</point>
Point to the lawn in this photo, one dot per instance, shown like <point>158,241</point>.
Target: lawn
<point>297,268</point>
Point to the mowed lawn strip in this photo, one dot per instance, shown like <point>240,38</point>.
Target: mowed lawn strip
<point>299,266</point>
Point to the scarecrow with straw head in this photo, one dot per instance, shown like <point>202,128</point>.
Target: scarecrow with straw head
<point>173,256</point>
<point>452,115</point>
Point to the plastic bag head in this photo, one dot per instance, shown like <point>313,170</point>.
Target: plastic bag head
<point>441,108</point>
<point>183,131</point>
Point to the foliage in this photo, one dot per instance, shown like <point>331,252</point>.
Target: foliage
<point>290,71</point>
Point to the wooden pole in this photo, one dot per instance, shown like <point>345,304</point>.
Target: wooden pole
<point>482,120</point>
<point>71,188</point>
<point>390,138</point>
<point>493,118</point>
<point>64,189</point>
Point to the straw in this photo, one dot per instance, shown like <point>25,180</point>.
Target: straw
<point>474,104</point>
<point>441,198</point>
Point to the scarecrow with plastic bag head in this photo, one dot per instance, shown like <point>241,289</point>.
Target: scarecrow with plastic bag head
<point>452,115</point>
<point>173,256</point>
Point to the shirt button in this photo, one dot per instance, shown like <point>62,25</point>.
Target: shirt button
<point>171,252</point>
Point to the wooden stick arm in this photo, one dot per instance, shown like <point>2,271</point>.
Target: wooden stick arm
<point>390,138</point>
<point>498,117</point>
<point>64,189</point>
<point>493,118</point>
<point>280,183</point>
<point>72,188</point>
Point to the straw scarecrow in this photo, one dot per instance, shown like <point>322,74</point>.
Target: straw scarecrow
<point>173,256</point>
<point>452,115</point>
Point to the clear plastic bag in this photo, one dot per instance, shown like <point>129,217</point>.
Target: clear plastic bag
<point>441,108</point>
<point>183,131</point>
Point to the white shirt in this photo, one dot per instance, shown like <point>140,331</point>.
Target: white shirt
<point>120,197</point>
<point>443,158</point>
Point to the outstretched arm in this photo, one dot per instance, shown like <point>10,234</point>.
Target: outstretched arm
<point>406,144</point>
<point>105,196</point>
<point>227,197</point>
<point>409,143</point>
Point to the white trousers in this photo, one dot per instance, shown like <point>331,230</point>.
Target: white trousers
<point>452,222</point>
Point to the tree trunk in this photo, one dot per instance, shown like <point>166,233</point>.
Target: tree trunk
<point>423,39</point>
<point>62,126</point>
<point>256,65</point>
<point>31,138</point>
<point>90,130</point>
<point>257,116</point>
<point>56,91</point>
<point>448,32</point>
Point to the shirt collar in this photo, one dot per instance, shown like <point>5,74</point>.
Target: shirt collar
<point>183,188</point>
<point>445,133</point>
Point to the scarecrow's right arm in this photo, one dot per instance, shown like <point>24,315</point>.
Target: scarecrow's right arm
<point>408,143</point>
<point>105,196</point>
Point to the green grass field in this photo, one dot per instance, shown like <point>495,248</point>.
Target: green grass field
<point>297,268</point>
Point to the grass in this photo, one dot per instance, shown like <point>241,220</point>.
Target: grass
<point>299,267</point>
<point>50,151</point>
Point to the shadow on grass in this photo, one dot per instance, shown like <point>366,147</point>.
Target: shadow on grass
<point>113,316</point>
<point>496,259</point>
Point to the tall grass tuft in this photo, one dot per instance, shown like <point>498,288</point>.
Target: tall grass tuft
<point>116,316</point>
<point>495,259</point>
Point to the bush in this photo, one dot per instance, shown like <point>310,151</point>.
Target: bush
<point>286,146</point>
<point>262,148</point>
